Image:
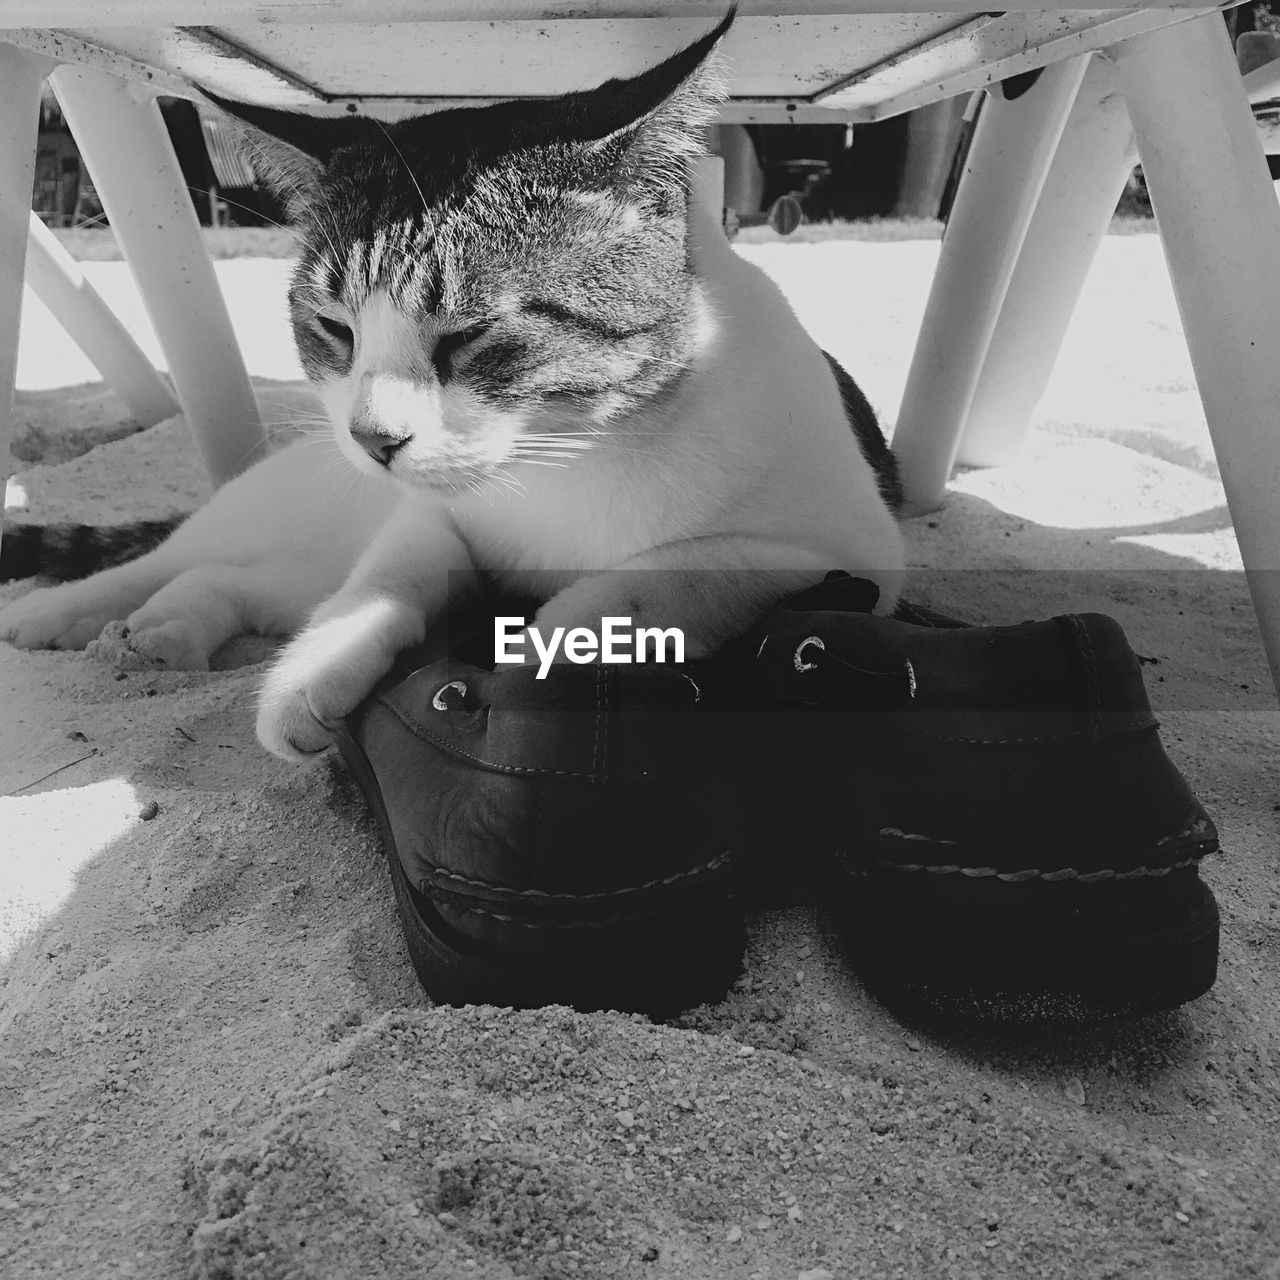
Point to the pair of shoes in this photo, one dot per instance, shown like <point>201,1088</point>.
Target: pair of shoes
<point>993,807</point>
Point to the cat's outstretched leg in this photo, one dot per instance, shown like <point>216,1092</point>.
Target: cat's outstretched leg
<point>305,505</point>
<point>71,614</point>
<point>404,580</point>
<point>189,619</point>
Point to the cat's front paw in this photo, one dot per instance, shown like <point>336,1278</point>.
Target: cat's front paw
<point>61,617</point>
<point>288,725</point>
<point>172,646</point>
<point>320,678</point>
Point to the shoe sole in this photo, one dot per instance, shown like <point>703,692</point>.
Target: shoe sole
<point>1081,965</point>
<point>676,956</point>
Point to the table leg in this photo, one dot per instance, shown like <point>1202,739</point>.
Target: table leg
<point>1085,182</point>
<point>136,174</point>
<point>1219,221</point>
<point>1012,149</point>
<point>56,279</point>
<point>21,75</point>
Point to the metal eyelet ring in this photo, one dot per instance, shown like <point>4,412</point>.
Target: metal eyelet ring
<point>697,689</point>
<point>797,659</point>
<point>438,699</point>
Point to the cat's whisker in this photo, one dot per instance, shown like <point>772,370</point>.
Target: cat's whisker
<point>304,426</point>
<point>646,355</point>
<point>303,435</point>
<point>350,480</point>
<point>341,482</point>
<point>510,483</point>
<point>291,407</point>
<point>412,177</point>
<point>480,485</point>
<point>276,395</point>
<point>337,465</point>
<point>573,444</point>
<point>600,435</point>
<point>311,430</point>
<point>311,442</point>
<point>288,413</point>
<point>204,191</point>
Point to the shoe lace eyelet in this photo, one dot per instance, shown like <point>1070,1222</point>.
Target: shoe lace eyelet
<point>798,659</point>
<point>438,699</point>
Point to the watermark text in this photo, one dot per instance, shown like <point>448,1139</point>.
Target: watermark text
<point>616,642</point>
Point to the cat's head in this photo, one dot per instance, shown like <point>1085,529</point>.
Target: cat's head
<point>484,286</point>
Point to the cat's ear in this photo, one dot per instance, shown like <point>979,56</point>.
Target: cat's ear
<point>655,121</point>
<point>290,149</point>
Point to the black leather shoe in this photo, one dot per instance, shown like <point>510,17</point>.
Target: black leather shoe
<point>561,841</point>
<point>995,807</point>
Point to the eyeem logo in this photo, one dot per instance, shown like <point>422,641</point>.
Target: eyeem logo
<point>617,642</point>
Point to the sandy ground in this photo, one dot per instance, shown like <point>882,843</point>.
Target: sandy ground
<point>216,1061</point>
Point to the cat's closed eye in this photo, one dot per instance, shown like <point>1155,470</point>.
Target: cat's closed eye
<point>449,344</point>
<point>336,331</point>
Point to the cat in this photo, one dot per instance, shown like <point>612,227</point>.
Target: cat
<point>544,363</point>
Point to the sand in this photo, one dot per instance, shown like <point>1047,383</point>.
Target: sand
<point>216,1061</point>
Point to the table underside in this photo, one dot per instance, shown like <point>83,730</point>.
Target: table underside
<point>799,66</point>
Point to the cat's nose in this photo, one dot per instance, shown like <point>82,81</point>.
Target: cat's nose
<point>380,446</point>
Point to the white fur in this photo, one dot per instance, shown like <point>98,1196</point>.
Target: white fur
<point>742,484</point>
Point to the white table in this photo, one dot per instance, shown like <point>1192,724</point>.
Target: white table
<point>1041,182</point>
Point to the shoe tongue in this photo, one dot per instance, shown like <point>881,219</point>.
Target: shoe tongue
<point>838,592</point>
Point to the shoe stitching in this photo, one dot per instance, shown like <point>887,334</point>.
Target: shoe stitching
<point>689,873</point>
<point>602,922</point>
<point>1141,722</point>
<point>898,834</point>
<point>1197,826</point>
<point>1063,873</point>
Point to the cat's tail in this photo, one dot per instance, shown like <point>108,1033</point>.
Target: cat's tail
<point>866,426</point>
<point>66,551</point>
